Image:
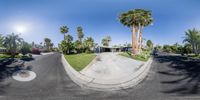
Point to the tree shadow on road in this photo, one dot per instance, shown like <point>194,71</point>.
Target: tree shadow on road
<point>182,75</point>
<point>6,72</point>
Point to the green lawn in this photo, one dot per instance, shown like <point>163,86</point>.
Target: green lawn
<point>79,61</point>
<point>144,56</point>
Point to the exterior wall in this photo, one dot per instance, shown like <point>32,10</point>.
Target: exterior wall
<point>3,50</point>
<point>110,49</point>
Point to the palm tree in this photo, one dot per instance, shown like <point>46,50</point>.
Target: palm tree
<point>89,42</point>
<point>108,39</point>
<point>11,43</point>
<point>105,41</point>
<point>64,30</point>
<point>192,36</point>
<point>77,45</point>
<point>67,43</point>
<point>136,19</point>
<point>68,38</point>
<point>47,43</point>
<point>80,33</point>
<point>1,40</point>
<point>145,20</point>
<point>51,46</point>
<point>80,36</point>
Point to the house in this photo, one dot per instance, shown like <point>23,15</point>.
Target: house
<point>3,50</point>
<point>100,49</point>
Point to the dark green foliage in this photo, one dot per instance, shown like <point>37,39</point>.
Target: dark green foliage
<point>149,44</point>
<point>105,41</point>
<point>67,45</point>
<point>11,42</point>
<point>167,48</point>
<point>64,30</point>
<point>1,40</point>
<point>89,44</point>
<point>26,48</point>
<point>78,47</point>
<point>80,33</point>
<point>192,36</point>
<point>48,44</point>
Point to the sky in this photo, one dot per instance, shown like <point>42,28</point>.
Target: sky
<point>39,19</point>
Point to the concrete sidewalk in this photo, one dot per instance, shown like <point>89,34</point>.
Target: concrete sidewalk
<point>111,67</point>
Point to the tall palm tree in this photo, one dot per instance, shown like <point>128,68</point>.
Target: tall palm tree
<point>80,37</point>
<point>1,40</point>
<point>64,30</point>
<point>192,36</point>
<point>80,33</point>
<point>145,20</point>
<point>11,42</point>
<point>68,38</point>
<point>68,43</point>
<point>135,19</point>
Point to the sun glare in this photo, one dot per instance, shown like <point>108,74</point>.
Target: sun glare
<point>20,29</point>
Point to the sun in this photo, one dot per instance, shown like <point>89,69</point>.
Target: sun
<point>20,29</point>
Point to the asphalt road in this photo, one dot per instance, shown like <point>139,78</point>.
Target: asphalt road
<point>170,78</point>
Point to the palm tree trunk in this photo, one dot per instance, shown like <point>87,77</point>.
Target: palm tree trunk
<point>13,53</point>
<point>64,36</point>
<point>193,48</point>
<point>140,38</point>
<point>134,41</point>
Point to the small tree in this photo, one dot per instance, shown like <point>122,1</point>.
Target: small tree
<point>167,48</point>
<point>11,42</point>
<point>150,44</point>
<point>47,43</point>
<point>26,48</point>
<point>105,41</point>
<point>187,49</point>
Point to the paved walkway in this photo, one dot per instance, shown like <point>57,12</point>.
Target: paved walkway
<point>111,67</point>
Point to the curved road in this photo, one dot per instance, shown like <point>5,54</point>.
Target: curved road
<point>170,78</point>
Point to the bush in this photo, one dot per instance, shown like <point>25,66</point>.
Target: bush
<point>36,51</point>
<point>88,51</point>
<point>143,56</point>
<point>167,48</point>
<point>9,53</point>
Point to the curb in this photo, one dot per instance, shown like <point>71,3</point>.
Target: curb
<point>90,83</point>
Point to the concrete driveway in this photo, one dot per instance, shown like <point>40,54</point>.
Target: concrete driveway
<point>111,66</point>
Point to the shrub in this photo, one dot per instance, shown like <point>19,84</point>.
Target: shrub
<point>36,51</point>
<point>167,48</point>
